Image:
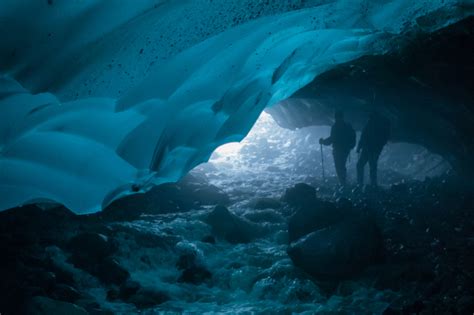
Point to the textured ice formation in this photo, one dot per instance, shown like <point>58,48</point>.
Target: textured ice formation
<point>99,99</point>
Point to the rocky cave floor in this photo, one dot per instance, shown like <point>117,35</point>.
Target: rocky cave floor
<point>407,248</point>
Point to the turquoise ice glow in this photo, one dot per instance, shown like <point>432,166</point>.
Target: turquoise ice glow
<point>99,99</point>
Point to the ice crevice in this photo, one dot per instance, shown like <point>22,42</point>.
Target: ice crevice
<point>100,99</point>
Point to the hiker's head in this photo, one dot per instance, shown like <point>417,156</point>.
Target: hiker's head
<point>339,115</point>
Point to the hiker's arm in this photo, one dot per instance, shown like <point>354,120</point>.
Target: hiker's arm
<point>328,140</point>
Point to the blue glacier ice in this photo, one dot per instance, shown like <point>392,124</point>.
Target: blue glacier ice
<point>100,99</point>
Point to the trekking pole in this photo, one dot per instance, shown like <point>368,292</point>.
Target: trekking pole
<point>322,162</point>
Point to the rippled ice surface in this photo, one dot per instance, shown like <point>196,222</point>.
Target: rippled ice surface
<point>248,278</point>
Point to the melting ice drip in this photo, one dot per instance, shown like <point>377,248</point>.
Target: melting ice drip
<point>99,99</point>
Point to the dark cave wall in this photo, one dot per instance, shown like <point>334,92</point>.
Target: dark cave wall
<point>426,88</point>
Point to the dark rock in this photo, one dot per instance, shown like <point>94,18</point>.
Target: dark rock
<point>209,239</point>
<point>111,272</point>
<point>128,289</point>
<point>192,269</point>
<point>148,297</point>
<point>209,195</point>
<point>147,239</point>
<point>265,216</point>
<point>91,252</point>
<point>265,203</point>
<point>62,274</point>
<point>231,227</point>
<point>186,260</point>
<point>40,305</point>
<point>113,294</point>
<point>189,193</point>
<point>99,311</point>
<point>195,275</point>
<point>300,195</point>
<point>65,293</point>
<point>88,303</point>
<point>166,198</point>
<point>313,217</point>
<point>399,188</point>
<point>465,304</point>
<point>107,270</point>
<point>339,251</point>
<point>94,246</point>
<point>41,278</point>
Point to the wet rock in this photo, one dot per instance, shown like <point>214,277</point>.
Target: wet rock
<point>65,293</point>
<point>148,297</point>
<point>465,304</point>
<point>265,203</point>
<point>40,305</point>
<point>300,195</point>
<point>108,270</point>
<point>209,239</point>
<point>62,274</point>
<point>231,227</point>
<point>312,217</point>
<point>144,237</point>
<point>92,252</point>
<point>88,303</point>
<point>193,270</point>
<point>198,189</point>
<point>132,292</point>
<point>112,294</point>
<point>399,188</point>
<point>191,192</point>
<point>186,260</point>
<point>128,289</point>
<point>111,272</point>
<point>99,311</point>
<point>338,251</point>
<point>267,215</point>
<point>92,307</point>
<point>94,246</point>
<point>166,198</point>
<point>37,277</point>
<point>195,275</point>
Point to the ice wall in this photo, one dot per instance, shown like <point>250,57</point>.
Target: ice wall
<point>99,99</point>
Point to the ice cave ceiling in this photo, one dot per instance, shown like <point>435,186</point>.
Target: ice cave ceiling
<point>99,99</point>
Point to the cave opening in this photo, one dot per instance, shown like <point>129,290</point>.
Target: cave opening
<point>281,157</point>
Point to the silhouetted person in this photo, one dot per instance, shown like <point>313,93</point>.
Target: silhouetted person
<point>374,137</point>
<point>343,139</point>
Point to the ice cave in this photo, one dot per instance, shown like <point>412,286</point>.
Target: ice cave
<point>237,157</point>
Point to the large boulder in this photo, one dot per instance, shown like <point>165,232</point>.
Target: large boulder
<point>317,215</point>
<point>299,195</point>
<point>338,251</point>
<point>191,192</point>
<point>232,228</point>
<point>197,188</point>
